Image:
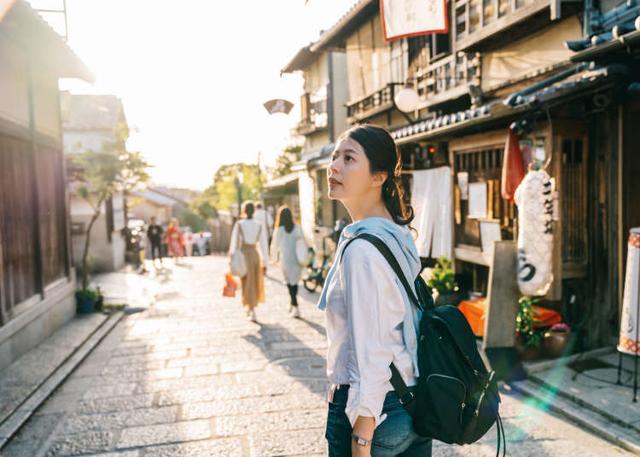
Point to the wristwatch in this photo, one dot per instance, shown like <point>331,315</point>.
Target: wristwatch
<point>360,441</point>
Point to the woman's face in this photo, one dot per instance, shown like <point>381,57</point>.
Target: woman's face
<point>349,177</point>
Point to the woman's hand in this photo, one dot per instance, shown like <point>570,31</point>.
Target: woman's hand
<point>360,451</point>
<point>364,428</point>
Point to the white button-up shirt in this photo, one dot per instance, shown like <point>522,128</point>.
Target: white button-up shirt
<point>365,314</point>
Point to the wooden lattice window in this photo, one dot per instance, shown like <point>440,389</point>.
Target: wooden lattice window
<point>482,165</point>
<point>574,201</point>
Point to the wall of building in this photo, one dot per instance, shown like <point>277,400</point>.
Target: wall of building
<point>339,92</point>
<point>145,211</point>
<point>306,193</point>
<point>104,254</point>
<point>14,104</point>
<point>521,58</point>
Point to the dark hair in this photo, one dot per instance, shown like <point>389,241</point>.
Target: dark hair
<point>248,208</point>
<point>384,156</point>
<point>284,218</point>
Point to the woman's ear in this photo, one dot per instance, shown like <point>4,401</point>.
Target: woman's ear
<point>379,178</point>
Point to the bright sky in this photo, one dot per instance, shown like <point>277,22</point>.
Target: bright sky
<point>193,74</point>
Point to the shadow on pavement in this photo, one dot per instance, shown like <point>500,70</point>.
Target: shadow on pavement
<point>290,356</point>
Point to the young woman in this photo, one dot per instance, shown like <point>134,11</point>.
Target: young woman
<point>283,250</point>
<point>249,236</point>
<point>174,240</point>
<point>370,321</point>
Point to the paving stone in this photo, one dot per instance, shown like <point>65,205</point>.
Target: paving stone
<point>165,433</point>
<point>201,370</point>
<point>257,405</point>
<point>270,422</point>
<point>120,419</point>
<point>284,443</point>
<point>197,382</point>
<point>81,443</point>
<point>134,453</point>
<point>110,391</point>
<point>227,447</point>
<point>103,405</point>
<point>214,393</point>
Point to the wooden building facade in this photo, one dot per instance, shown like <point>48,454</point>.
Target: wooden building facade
<point>36,275</point>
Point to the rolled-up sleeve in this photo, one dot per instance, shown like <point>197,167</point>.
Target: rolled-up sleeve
<point>375,310</point>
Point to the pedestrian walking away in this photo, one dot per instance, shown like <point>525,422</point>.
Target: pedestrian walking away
<point>174,240</point>
<point>154,234</point>
<point>283,251</point>
<point>370,321</point>
<point>248,235</point>
<point>262,215</point>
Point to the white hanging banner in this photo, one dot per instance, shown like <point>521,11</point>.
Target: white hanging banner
<point>405,18</point>
<point>535,233</point>
<point>629,341</point>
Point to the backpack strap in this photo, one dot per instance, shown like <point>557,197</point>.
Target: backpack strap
<point>405,395</point>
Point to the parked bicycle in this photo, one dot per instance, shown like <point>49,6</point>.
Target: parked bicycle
<point>317,272</point>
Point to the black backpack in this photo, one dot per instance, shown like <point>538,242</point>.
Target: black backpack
<point>456,399</point>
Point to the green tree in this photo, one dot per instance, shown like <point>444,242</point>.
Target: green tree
<point>189,218</point>
<point>96,176</point>
<point>223,193</point>
<point>290,155</point>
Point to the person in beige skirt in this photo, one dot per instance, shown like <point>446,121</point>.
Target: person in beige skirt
<point>249,236</point>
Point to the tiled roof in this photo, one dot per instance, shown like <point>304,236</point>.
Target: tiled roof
<point>511,105</point>
<point>617,30</point>
<point>356,12</point>
<point>300,61</point>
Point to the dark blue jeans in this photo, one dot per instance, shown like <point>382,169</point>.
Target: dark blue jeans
<point>394,437</point>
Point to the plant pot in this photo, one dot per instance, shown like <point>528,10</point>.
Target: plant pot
<point>555,343</point>
<point>528,353</point>
<point>447,298</point>
<point>85,305</point>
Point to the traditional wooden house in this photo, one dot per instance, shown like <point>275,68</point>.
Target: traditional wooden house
<point>36,276</point>
<point>505,64</point>
<point>322,120</point>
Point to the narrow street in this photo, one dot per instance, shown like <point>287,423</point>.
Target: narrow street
<point>192,377</point>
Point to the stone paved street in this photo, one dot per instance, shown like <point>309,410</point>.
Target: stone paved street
<point>191,377</point>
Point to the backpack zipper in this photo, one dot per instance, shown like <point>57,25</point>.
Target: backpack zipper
<point>464,388</point>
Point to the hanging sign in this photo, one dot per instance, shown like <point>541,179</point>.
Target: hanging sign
<point>629,341</point>
<point>278,105</point>
<point>405,18</point>
<point>534,197</point>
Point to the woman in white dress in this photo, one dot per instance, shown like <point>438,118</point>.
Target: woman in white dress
<point>283,251</point>
<point>253,243</point>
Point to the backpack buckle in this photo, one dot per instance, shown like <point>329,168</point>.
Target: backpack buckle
<point>407,398</point>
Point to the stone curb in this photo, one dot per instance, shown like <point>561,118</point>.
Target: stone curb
<point>590,420</point>
<point>12,424</point>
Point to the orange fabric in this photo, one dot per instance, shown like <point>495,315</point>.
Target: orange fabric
<point>547,317</point>
<point>512,167</point>
<point>474,311</point>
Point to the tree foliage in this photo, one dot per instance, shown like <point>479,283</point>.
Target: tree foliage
<point>96,175</point>
<point>290,155</point>
<point>222,194</point>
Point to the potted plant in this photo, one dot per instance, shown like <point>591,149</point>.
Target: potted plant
<point>443,281</point>
<point>556,340</point>
<point>529,338</point>
<point>88,300</point>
